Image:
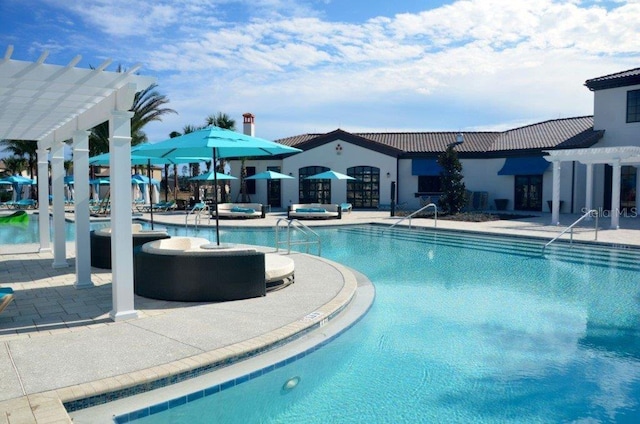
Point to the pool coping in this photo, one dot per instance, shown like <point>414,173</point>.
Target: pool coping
<point>49,407</point>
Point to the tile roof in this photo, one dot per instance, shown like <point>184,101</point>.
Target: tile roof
<point>558,133</point>
<point>570,133</point>
<point>619,79</point>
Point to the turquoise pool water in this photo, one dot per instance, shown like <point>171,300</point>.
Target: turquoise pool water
<point>465,329</point>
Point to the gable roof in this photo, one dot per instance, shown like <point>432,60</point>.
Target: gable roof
<point>619,79</point>
<point>564,133</point>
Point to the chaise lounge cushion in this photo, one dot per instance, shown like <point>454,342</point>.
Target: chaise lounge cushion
<point>241,210</point>
<point>314,211</point>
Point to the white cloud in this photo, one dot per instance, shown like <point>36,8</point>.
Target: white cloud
<point>517,60</point>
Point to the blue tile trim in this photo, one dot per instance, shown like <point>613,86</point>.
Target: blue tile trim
<point>247,377</point>
<point>101,399</point>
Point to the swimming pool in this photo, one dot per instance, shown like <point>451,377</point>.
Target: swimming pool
<point>464,328</point>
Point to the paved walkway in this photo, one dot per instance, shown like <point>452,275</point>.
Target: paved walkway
<point>57,343</point>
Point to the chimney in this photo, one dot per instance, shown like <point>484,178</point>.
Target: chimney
<point>248,126</point>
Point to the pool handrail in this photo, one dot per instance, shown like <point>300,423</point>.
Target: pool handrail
<point>197,210</point>
<point>411,215</point>
<point>305,230</point>
<point>592,212</point>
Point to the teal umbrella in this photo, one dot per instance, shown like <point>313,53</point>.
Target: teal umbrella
<point>209,176</point>
<point>141,159</point>
<point>270,175</point>
<point>329,175</point>
<point>219,143</point>
<point>211,141</point>
<point>17,181</point>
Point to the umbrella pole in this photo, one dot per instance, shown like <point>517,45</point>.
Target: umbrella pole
<point>215,196</point>
<point>150,192</point>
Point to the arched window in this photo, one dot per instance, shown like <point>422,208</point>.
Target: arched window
<point>364,191</point>
<point>314,191</point>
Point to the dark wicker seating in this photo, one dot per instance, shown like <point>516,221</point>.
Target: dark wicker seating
<point>101,243</point>
<point>180,270</point>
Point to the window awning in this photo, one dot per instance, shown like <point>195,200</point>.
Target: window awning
<point>425,167</point>
<point>532,165</point>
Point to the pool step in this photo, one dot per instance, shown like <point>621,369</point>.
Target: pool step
<point>575,253</point>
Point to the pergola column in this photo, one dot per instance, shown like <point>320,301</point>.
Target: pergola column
<point>121,234</point>
<point>81,203</point>
<point>555,198</point>
<point>57,188</point>
<point>43,198</point>
<point>615,195</point>
<point>589,192</point>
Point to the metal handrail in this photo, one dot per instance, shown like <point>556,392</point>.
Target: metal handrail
<point>411,215</point>
<point>196,211</point>
<point>306,231</point>
<point>570,228</point>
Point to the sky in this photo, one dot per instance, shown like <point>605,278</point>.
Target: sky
<point>312,66</point>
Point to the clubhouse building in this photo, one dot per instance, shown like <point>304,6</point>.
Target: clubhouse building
<point>566,165</point>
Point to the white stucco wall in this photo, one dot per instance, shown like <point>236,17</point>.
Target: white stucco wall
<point>261,165</point>
<point>326,155</point>
<point>610,114</point>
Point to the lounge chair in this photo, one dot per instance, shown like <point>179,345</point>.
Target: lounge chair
<point>23,204</point>
<point>6,296</point>
<point>346,207</point>
<point>164,206</point>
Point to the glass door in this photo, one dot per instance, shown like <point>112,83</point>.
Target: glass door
<point>274,195</point>
<point>528,193</point>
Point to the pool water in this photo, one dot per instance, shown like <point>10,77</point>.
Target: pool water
<point>464,328</point>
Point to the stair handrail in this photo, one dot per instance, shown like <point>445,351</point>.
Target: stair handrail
<point>592,212</point>
<point>411,215</point>
<point>307,232</point>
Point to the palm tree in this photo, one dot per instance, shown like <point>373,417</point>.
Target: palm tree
<point>25,149</point>
<point>221,120</point>
<point>15,164</point>
<point>148,106</point>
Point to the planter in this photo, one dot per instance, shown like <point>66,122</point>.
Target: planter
<point>501,204</point>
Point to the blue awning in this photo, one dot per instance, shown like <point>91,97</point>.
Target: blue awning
<point>534,165</point>
<point>425,167</point>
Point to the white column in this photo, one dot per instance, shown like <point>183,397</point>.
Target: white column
<point>121,237</point>
<point>589,194</point>
<point>43,199</point>
<point>57,188</point>
<point>615,195</point>
<point>81,203</point>
<point>555,198</point>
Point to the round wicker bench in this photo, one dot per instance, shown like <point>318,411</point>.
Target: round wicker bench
<point>191,269</point>
<point>101,243</point>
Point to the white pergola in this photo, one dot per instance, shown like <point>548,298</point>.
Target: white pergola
<point>614,156</point>
<point>53,105</point>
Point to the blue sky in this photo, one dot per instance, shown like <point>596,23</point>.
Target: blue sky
<point>364,66</point>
